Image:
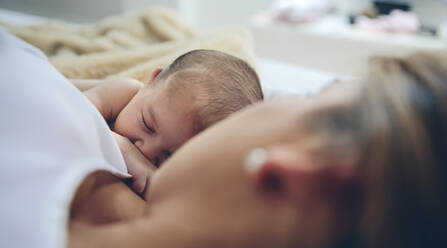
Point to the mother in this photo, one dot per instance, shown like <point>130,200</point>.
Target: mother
<point>357,165</point>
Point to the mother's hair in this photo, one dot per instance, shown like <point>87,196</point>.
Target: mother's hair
<point>397,131</point>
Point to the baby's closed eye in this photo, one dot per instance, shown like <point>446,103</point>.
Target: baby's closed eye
<point>147,126</point>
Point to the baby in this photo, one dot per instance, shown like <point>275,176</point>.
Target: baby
<point>198,89</point>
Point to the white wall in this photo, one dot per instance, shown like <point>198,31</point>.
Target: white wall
<point>432,12</point>
<point>230,12</point>
<point>70,10</point>
<point>205,14</point>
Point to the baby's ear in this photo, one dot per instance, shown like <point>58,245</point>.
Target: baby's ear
<point>155,74</point>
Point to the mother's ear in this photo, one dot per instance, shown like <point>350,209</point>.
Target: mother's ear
<point>296,173</point>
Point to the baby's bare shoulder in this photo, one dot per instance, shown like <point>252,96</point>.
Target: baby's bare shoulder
<point>112,94</point>
<point>123,82</point>
<point>119,85</point>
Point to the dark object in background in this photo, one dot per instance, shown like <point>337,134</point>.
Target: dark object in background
<point>430,31</point>
<point>385,7</point>
<point>352,19</point>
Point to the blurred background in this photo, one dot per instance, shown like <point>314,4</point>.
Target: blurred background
<point>329,35</point>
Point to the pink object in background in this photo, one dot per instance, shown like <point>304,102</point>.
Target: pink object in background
<point>396,22</point>
<point>294,11</point>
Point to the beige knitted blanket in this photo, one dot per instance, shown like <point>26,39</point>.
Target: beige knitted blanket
<point>132,45</point>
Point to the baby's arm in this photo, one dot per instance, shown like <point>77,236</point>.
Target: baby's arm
<point>109,95</point>
<point>86,84</point>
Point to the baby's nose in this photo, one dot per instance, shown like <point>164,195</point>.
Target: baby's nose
<point>146,151</point>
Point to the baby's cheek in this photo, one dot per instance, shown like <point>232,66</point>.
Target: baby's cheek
<point>115,125</point>
<point>119,125</point>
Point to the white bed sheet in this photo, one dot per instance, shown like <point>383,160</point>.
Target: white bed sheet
<point>280,78</point>
<point>277,78</point>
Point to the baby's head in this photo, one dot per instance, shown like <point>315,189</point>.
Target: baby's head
<point>197,90</point>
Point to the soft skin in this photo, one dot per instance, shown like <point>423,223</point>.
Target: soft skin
<point>207,202</point>
<point>149,122</point>
<point>157,121</point>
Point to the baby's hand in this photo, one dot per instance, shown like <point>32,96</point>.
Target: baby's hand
<point>138,165</point>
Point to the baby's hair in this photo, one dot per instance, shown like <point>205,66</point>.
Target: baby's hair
<point>225,83</point>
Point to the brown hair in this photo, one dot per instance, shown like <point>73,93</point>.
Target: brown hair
<point>225,83</point>
<point>397,127</point>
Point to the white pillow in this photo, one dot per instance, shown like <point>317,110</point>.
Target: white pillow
<point>282,79</point>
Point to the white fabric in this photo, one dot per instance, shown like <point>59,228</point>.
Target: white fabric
<point>282,79</point>
<point>51,138</point>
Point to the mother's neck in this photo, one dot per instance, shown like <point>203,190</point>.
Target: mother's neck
<point>267,225</point>
<point>106,213</point>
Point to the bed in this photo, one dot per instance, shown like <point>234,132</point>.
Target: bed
<point>278,78</point>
